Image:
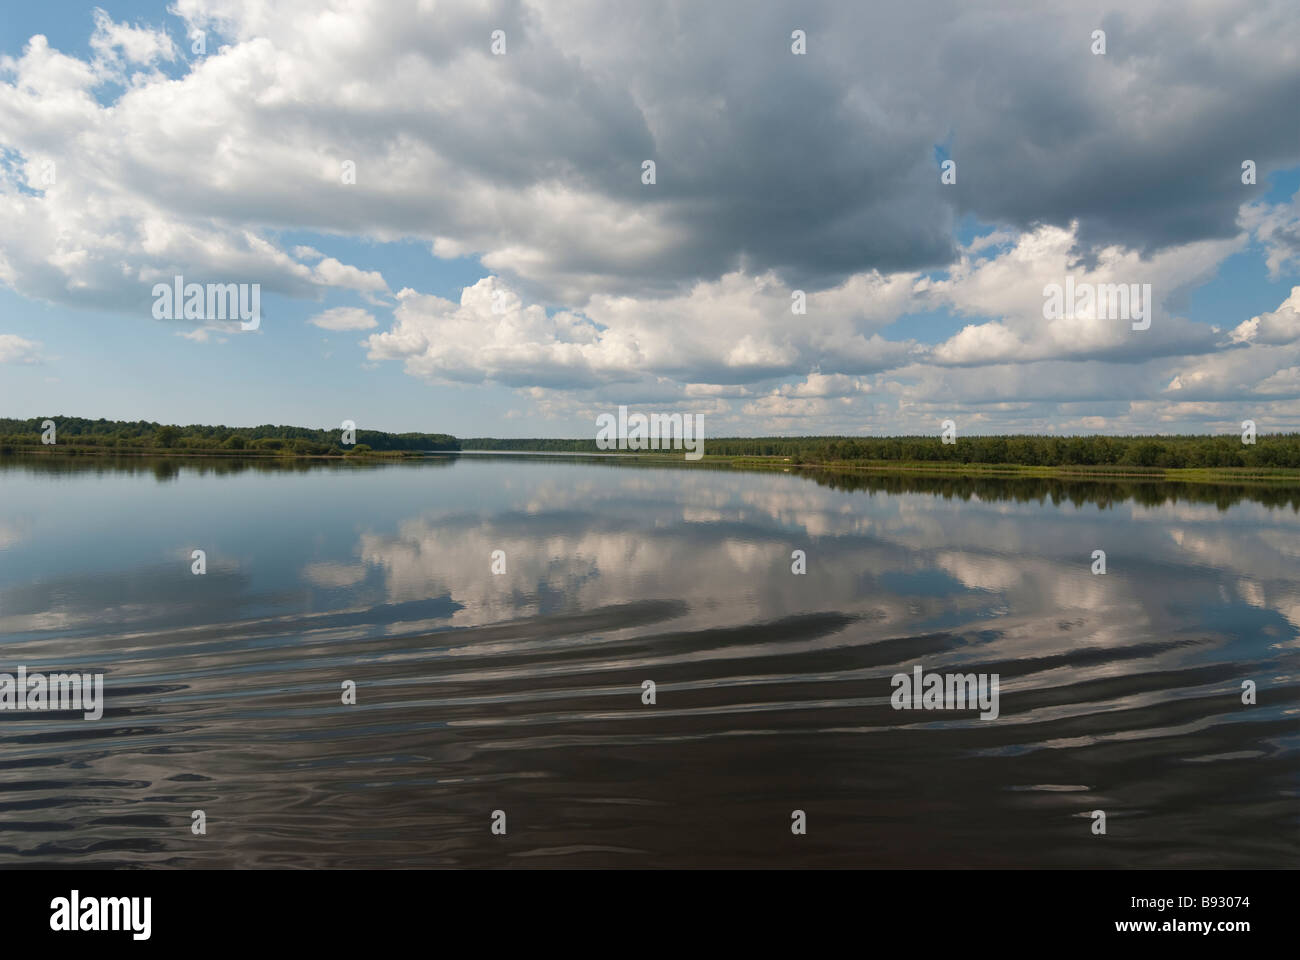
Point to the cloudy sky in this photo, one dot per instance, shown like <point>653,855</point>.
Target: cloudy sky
<point>499,267</point>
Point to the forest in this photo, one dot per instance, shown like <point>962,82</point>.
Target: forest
<point>1279,450</point>
<point>1170,452</point>
<point>146,435</point>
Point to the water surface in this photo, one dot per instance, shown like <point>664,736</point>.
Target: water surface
<point>522,691</point>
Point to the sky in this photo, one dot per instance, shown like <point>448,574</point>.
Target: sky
<point>451,228</point>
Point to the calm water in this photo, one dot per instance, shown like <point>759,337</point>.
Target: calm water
<point>521,692</point>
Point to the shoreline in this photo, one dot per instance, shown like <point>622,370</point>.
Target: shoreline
<point>1075,472</point>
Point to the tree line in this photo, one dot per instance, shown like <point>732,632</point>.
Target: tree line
<point>1168,451</point>
<point>1279,450</point>
<point>1106,493</point>
<point>130,435</point>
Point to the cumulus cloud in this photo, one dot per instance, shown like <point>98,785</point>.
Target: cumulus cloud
<point>1011,287</point>
<point>740,329</point>
<point>492,335</point>
<point>1278,228</point>
<point>329,272</point>
<point>817,167</point>
<point>1277,326</point>
<point>15,349</point>
<point>344,318</point>
<point>775,175</point>
<point>112,42</point>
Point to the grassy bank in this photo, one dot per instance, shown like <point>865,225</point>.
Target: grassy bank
<point>1136,452</point>
<point>1072,471</point>
<point>1272,475</point>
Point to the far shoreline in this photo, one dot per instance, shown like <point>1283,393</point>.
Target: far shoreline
<point>1192,475</point>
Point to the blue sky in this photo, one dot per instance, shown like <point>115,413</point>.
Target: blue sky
<point>508,273</point>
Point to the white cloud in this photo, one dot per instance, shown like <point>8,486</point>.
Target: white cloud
<point>1278,326</point>
<point>1010,288</point>
<point>135,44</point>
<point>15,349</point>
<point>1278,228</point>
<point>344,318</point>
<point>331,273</point>
<point>531,161</point>
<point>775,173</point>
